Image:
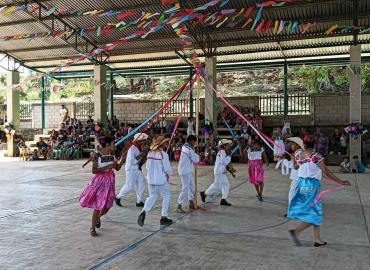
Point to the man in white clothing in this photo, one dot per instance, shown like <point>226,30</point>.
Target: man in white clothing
<point>135,180</point>
<point>186,167</point>
<point>158,174</point>
<point>221,182</point>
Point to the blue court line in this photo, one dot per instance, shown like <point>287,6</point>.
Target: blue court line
<point>137,243</point>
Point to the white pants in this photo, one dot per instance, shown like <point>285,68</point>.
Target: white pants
<point>221,183</point>
<point>135,181</point>
<point>153,195</point>
<point>188,188</point>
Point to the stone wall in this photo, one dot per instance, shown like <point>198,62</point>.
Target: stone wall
<point>134,111</point>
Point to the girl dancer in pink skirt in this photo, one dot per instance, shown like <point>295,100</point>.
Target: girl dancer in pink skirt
<point>99,193</point>
<point>255,166</point>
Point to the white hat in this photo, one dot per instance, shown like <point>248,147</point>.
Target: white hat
<point>224,141</point>
<point>140,137</point>
<point>297,141</point>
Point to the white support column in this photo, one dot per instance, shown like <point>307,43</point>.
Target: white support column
<point>100,94</point>
<point>210,96</point>
<point>355,97</point>
<point>13,108</point>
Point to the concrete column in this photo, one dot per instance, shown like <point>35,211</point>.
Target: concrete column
<point>210,96</point>
<point>13,107</point>
<point>100,94</point>
<point>355,97</point>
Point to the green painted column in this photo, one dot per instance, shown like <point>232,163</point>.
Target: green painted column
<point>100,94</point>
<point>191,72</point>
<point>111,98</point>
<point>355,97</point>
<point>12,108</point>
<point>43,79</point>
<point>285,89</point>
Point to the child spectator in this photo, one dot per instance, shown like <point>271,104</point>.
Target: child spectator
<point>345,166</point>
<point>343,144</point>
<point>357,165</point>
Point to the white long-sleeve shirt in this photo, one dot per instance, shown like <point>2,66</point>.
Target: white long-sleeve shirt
<point>131,158</point>
<point>158,168</point>
<point>222,160</point>
<point>187,159</point>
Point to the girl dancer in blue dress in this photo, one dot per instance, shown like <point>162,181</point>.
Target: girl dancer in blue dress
<point>302,206</point>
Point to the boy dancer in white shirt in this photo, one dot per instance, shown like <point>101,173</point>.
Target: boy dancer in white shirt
<point>159,171</point>
<point>221,182</point>
<point>186,167</point>
<point>135,180</point>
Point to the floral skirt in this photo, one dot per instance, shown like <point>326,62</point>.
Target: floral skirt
<point>99,193</point>
<point>255,171</point>
<point>301,205</point>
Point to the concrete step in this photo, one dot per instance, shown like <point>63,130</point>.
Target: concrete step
<point>47,131</point>
<point>31,143</point>
<point>44,136</point>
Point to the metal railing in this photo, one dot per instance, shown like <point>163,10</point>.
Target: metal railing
<point>25,112</point>
<point>175,108</point>
<point>84,110</point>
<point>298,104</point>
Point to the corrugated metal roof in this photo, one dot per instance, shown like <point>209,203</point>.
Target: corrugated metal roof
<point>246,45</point>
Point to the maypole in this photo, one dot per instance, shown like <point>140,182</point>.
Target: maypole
<point>197,110</point>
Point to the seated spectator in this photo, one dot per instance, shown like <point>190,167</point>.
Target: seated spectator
<point>357,165</point>
<point>345,166</point>
<point>42,147</point>
<point>115,122</point>
<point>90,121</point>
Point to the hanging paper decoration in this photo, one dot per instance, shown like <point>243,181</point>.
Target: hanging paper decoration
<point>355,129</point>
<point>294,27</point>
<point>167,2</point>
<point>268,26</point>
<point>259,27</point>
<point>258,17</point>
<point>248,12</point>
<point>281,27</point>
<point>247,23</point>
<point>331,29</point>
<point>307,27</point>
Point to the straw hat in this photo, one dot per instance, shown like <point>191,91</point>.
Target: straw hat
<point>297,141</point>
<point>158,142</point>
<point>224,141</point>
<point>140,137</point>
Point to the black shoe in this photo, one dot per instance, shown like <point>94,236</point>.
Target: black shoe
<point>203,196</point>
<point>140,204</point>
<point>225,203</point>
<point>260,198</point>
<point>141,219</point>
<point>319,245</point>
<point>165,221</point>
<point>191,204</point>
<point>118,202</point>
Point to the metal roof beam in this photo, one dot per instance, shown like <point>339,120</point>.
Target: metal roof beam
<point>218,53</point>
<point>66,16</point>
<point>89,45</point>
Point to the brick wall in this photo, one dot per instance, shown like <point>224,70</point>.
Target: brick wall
<point>134,111</point>
<point>52,117</point>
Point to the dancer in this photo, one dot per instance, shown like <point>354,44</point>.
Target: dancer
<point>100,191</point>
<point>255,166</point>
<point>186,167</point>
<point>159,171</point>
<point>135,180</point>
<point>278,146</point>
<point>190,129</point>
<point>221,182</point>
<point>297,148</point>
<point>302,206</point>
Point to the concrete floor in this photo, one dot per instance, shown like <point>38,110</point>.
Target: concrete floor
<point>43,227</point>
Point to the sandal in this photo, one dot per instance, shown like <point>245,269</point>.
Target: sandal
<point>98,224</point>
<point>93,232</point>
<point>316,244</point>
